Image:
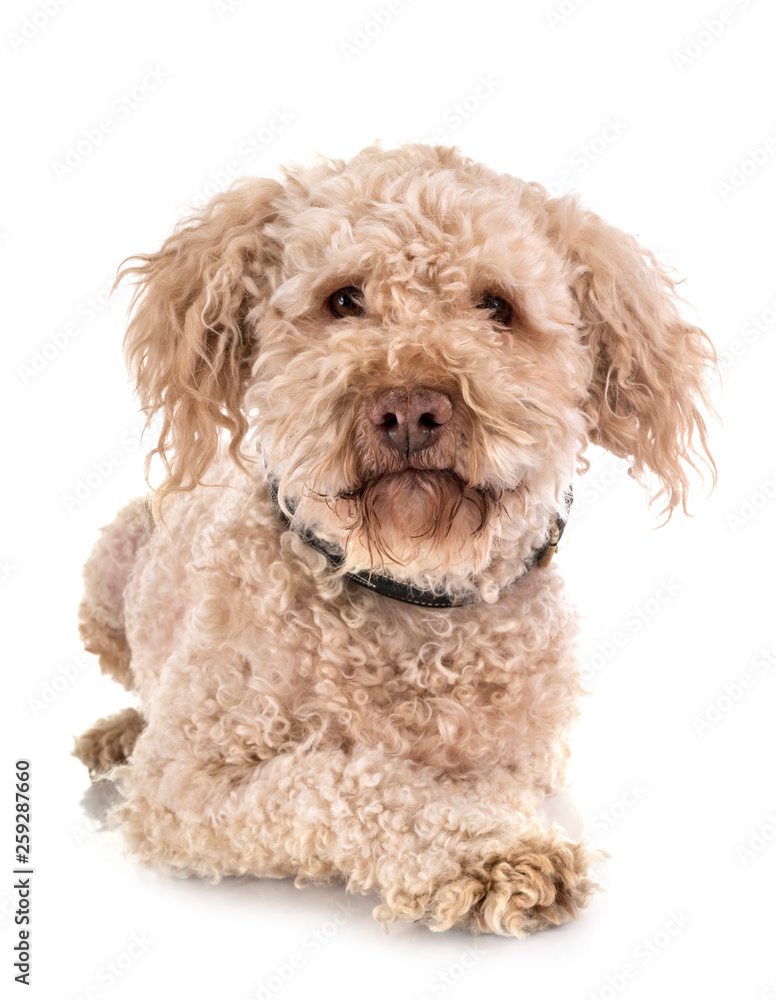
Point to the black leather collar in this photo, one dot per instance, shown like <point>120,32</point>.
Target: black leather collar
<point>405,592</point>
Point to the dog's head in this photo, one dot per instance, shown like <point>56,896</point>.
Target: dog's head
<point>419,350</point>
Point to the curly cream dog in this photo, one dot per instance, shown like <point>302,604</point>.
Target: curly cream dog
<point>353,661</point>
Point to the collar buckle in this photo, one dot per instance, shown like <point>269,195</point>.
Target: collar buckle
<point>545,556</point>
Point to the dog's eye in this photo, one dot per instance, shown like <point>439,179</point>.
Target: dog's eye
<point>347,302</point>
<point>500,310</point>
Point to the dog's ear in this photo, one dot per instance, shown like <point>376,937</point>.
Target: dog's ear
<point>648,389</point>
<point>187,345</point>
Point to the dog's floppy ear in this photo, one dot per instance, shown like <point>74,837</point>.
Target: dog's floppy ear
<point>648,387</point>
<point>186,344</point>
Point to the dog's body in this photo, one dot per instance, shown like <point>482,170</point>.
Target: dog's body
<point>407,355</point>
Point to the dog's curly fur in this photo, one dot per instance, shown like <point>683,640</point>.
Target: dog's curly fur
<point>294,723</point>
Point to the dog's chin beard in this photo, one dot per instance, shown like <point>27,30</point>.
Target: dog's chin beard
<point>397,516</point>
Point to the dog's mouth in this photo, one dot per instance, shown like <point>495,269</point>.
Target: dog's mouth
<point>413,506</point>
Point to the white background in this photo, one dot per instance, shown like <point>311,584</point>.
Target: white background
<point>682,806</point>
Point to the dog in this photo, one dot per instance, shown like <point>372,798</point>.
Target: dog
<point>339,612</point>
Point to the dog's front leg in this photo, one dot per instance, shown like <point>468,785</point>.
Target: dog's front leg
<point>438,852</point>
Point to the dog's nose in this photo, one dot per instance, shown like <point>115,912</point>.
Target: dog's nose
<point>408,420</point>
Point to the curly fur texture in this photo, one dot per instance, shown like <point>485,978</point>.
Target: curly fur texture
<point>293,723</point>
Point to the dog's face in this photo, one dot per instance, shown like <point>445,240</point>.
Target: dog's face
<point>419,374</point>
<point>420,350</point>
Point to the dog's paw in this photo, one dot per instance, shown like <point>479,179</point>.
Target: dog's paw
<point>541,882</point>
<point>110,741</point>
<point>521,890</point>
